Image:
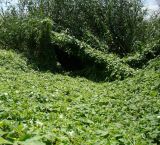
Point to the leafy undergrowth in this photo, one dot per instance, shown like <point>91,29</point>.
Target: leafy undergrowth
<point>111,65</point>
<point>43,108</point>
<point>12,61</point>
<point>150,51</point>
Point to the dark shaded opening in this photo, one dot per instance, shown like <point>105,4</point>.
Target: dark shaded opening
<point>68,62</point>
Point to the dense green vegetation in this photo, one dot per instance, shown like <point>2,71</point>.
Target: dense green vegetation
<point>46,108</point>
<point>79,72</point>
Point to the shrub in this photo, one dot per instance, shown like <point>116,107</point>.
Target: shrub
<point>30,35</point>
<point>125,20</point>
<point>116,23</point>
<point>150,51</point>
<point>111,65</point>
<point>11,31</point>
<point>38,42</point>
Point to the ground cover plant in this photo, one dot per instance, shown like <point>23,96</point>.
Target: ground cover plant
<point>43,108</point>
<point>84,72</point>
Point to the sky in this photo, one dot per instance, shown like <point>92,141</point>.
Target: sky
<point>158,1</point>
<point>151,5</point>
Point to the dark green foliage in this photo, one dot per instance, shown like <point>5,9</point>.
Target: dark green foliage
<point>150,51</point>
<point>111,65</point>
<point>97,28</point>
<point>39,43</point>
<point>115,23</point>
<point>11,31</point>
<point>29,35</point>
<point>152,31</point>
<point>47,52</point>
<point>125,19</point>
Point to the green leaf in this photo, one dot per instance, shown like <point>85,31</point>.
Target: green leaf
<point>2,133</point>
<point>3,141</point>
<point>34,141</point>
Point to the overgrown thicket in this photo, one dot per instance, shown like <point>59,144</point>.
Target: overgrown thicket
<point>115,23</point>
<point>109,64</point>
<point>102,40</point>
<point>96,33</point>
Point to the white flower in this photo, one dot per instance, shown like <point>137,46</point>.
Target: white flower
<point>33,87</point>
<point>68,108</point>
<point>6,94</point>
<point>61,116</point>
<point>39,123</point>
<point>71,133</point>
<point>158,117</point>
<point>17,91</point>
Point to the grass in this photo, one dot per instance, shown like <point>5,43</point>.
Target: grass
<point>38,108</point>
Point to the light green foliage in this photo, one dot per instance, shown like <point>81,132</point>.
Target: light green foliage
<point>42,108</point>
<point>12,61</point>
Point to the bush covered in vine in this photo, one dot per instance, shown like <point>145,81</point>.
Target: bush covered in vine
<point>109,35</point>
